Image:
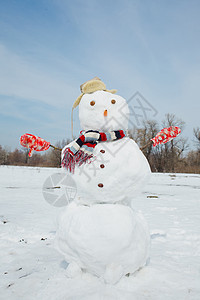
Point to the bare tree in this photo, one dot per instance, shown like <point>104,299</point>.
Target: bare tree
<point>54,156</point>
<point>26,157</point>
<point>3,156</point>
<point>165,157</point>
<point>16,157</point>
<point>157,161</point>
<point>143,135</point>
<point>197,137</point>
<point>175,147</point>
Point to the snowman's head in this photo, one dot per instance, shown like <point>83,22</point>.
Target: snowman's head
<point>104,111</point>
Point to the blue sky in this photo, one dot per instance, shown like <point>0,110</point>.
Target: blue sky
<point>49,47</point>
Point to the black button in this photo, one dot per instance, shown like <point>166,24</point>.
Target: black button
<point>102,166</point>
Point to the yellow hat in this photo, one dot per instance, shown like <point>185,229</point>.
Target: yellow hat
<point>90,87</point>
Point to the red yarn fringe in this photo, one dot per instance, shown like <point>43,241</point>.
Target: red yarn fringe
<point>69,161</point>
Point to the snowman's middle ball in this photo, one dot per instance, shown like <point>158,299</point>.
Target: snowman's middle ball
<point>118,169</point>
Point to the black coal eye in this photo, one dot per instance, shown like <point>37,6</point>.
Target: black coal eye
<point>113,101</point>
<point>92,103</point>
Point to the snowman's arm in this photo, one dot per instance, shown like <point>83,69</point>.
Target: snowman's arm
<point>147,145</point>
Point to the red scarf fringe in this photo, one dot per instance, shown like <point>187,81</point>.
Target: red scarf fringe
<point>69,161</point>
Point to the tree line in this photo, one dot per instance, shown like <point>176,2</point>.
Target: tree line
<point>173,156</point>
<point>50,158</point>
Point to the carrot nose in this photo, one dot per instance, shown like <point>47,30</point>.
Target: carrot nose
<point>105,113</point>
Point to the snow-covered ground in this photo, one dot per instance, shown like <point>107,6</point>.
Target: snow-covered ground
<point>30,267</point>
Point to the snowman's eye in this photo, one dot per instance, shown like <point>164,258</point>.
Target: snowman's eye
<point>92,103</point>
<point>113,101</point>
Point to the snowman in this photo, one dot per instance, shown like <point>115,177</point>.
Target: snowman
<point>100,232</point>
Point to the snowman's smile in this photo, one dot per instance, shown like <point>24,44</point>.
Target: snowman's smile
<point>105,113</point>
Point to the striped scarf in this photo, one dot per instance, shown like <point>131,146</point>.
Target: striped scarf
<point>82,148</point>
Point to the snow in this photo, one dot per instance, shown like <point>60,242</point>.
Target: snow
<point>107,240</point>
<point>31,267</point>
<point>100,233</point>
<point>125,169</point>
<point>92,117</point>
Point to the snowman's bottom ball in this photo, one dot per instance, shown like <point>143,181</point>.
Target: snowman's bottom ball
<point>103,235</point>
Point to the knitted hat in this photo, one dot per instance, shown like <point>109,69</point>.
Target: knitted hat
<point>90,87</point>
